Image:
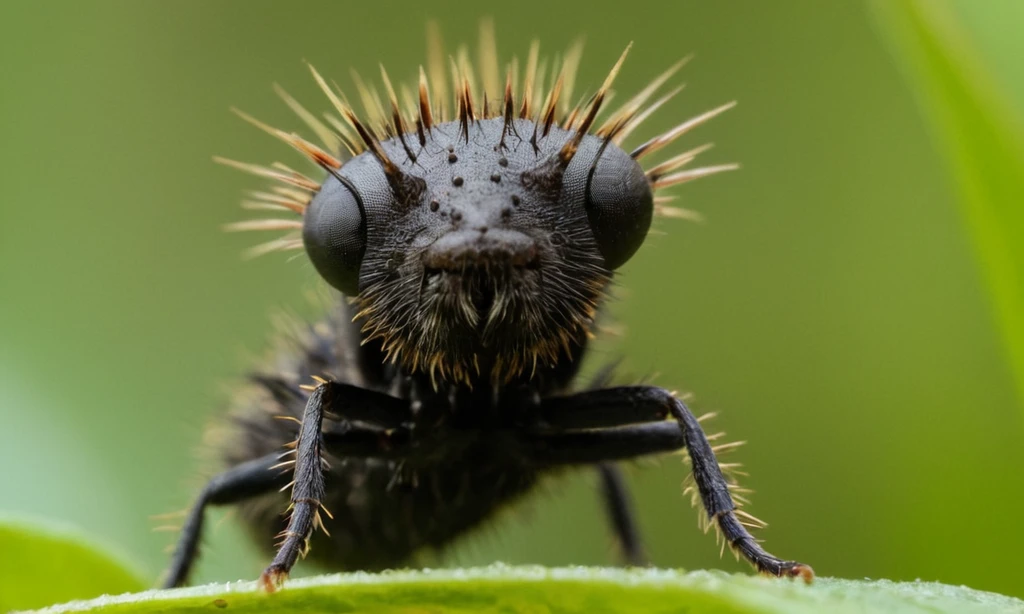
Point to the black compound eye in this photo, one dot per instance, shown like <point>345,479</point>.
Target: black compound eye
<point>334,233</point>
<point>619,205</point>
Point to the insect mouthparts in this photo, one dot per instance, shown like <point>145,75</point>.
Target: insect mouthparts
<point>485,248</point>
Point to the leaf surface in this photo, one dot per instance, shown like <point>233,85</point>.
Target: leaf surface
<point>537,590</point>
<point>41,565</point>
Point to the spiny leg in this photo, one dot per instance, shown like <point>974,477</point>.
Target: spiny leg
<point>307,490</point>
<point>250,479</point>
<point>265,475</point>
<point>604,442</point>
<point>619,508</point>
<point>343,401</point>
<point>718,503</point>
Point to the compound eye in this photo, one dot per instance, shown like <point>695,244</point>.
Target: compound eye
<point>334,233</point>
<point>619,205</point>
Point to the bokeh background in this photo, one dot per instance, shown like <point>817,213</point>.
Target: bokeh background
<point>831,307</point>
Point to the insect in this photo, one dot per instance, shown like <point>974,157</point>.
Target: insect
<point>474,231</point>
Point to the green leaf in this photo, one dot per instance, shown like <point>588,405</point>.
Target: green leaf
<point>983,141</point>
<point>573,590</point>
<point>42,565</point>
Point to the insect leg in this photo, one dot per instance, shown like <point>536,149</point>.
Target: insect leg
<point>605,408</point>
<point>238,483</point>
<point>620,512</point>
<point>307,490</point>
<point>606,444</point>
<point>353,403</point>
<point>350,402</point>
<point>367,443</point>
<point>308,483</point>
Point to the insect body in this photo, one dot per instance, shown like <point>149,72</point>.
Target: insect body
<point>476,245</point>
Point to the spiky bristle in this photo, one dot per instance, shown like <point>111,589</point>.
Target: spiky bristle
<point>740,495</point>
<point>451,88</point>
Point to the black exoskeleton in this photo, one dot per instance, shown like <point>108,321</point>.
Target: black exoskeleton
<point>476,250</point>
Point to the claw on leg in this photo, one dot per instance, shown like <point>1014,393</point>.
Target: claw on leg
<point>273,578</point>
<point>803,571</point>
<point>792,569</point>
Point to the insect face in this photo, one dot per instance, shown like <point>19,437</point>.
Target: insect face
<point>483,247</point>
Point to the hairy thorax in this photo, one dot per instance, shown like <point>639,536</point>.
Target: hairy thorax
<point>467,459</point>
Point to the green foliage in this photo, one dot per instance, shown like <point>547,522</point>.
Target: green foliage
<point>983,142</point>
<point>567,590</point>
<point>41,565</point>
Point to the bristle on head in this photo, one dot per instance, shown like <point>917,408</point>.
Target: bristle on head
<point>540,92</point>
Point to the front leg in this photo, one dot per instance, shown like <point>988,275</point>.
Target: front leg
<point>627,422</point>
<point>346,402</point>
<point>307,490</point>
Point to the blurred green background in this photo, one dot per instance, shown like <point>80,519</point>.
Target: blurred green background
<point>831,308</point>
